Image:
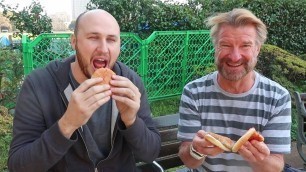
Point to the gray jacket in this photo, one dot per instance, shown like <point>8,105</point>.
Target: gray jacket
<point>38,145</point>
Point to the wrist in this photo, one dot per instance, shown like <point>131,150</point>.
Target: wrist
<point>195,154</point>
<point>65,128</point>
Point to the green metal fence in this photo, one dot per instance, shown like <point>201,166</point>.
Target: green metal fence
<point>166,60</point>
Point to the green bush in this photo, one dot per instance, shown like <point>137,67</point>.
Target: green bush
<point>11,76</point>
<point>5,136</point>
<point>285,22</point>
<point>285,68</point>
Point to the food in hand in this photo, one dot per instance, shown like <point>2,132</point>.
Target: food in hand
<point>104,73</point>
<point>222,142</point>
<point>227,144</point>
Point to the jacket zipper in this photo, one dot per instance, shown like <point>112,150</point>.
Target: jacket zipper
<point>86,149</point>
<point>113,140</point>
<point>80,132</point>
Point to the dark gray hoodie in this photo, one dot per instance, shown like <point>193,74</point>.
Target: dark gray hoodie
<point>38,144</point>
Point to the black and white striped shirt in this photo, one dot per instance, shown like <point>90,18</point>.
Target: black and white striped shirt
<point>266,107</point>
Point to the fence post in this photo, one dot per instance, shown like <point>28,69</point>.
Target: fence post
<point>27,55</point>
<point>144,62</point>
<point>184,62</point>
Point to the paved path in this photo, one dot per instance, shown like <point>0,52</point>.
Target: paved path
<point>294,158</point>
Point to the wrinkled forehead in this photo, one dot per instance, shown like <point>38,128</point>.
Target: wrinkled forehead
<point>237,32</point>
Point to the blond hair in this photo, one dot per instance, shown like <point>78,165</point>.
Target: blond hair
<point>237,17</point>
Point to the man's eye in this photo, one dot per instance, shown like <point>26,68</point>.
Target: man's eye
<point>246,46</point>
<point>225,45</point>
<point>111,40</point>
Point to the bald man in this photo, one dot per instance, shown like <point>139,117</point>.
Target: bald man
<point>65,121</point>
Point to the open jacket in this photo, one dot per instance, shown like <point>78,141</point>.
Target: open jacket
<point>38,144</point>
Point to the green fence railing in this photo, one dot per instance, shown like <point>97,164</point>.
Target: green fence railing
<point>166,60</point>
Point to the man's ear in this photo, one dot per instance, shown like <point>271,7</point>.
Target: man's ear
<point>73,41</point>
<point>258,49</point>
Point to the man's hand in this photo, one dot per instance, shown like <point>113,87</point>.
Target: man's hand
<point>127,98</point>
<point>254,151</point>
<point>259,157</point>
<point>84,101</point>
<point>201,145</point>
<point>204,146</point>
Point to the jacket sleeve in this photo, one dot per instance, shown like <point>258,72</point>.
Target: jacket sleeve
<point>142,136</point>
<point>36,145</point>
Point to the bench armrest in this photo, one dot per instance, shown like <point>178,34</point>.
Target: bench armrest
<point>158,166</point>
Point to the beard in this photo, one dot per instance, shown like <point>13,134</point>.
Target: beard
<point>233,74</point>
<point>81,62</point>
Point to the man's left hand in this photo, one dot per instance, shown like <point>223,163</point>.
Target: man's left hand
<point>127,97</point>
<point>254,151</point>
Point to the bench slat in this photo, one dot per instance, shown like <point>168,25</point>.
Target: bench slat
<point>169,148</point>
<point>168,135</point>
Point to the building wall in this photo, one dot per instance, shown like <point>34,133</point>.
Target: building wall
<point>78,6</point>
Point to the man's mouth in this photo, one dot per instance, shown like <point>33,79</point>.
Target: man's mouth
<point>234,64</point>
<point>99,63</point>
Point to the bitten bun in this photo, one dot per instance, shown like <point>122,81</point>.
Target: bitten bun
<point>227,144</point>
<point>104,73</point>
<point>243,139</point>
<point>222,142</point>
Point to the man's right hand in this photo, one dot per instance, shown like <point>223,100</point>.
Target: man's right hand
<point>84,101</point>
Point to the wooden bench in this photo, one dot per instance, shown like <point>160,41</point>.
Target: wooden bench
<point>300,100</point>
<point>168,156</point>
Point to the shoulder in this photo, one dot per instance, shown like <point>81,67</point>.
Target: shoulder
<point>269,85</point>
<point>125,71</point>
<point>55,72</point>
<point>203,82</point>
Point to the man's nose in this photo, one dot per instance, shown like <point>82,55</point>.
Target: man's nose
<point>102,46</point>
<point>235,54</point>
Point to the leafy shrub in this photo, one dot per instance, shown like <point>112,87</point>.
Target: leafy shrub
<point>282,67</point>
<point>285,22</point>
<point>5,137</point>
<point>11,75</point>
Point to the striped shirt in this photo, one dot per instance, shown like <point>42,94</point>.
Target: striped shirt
<point>266,107</point>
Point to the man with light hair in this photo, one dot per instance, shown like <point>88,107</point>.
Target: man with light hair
<point>234,99</point>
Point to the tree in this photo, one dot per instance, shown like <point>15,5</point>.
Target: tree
<point>32,19</point>
<point>146,16</point>
<point>5,22</point>
<point>72,25</point>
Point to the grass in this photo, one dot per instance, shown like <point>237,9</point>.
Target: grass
<point>5,139</point>
<point>165,107</point>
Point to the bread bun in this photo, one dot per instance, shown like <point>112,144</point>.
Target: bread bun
<point>243,139</point>
<point>227,144</point>
<point>222,142</point>
<point>104,73</point>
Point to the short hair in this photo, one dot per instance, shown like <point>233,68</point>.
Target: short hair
<point>76,26</point>
<point>237,17</point>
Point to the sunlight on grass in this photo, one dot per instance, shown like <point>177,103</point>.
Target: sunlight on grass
<point>165,107</point>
